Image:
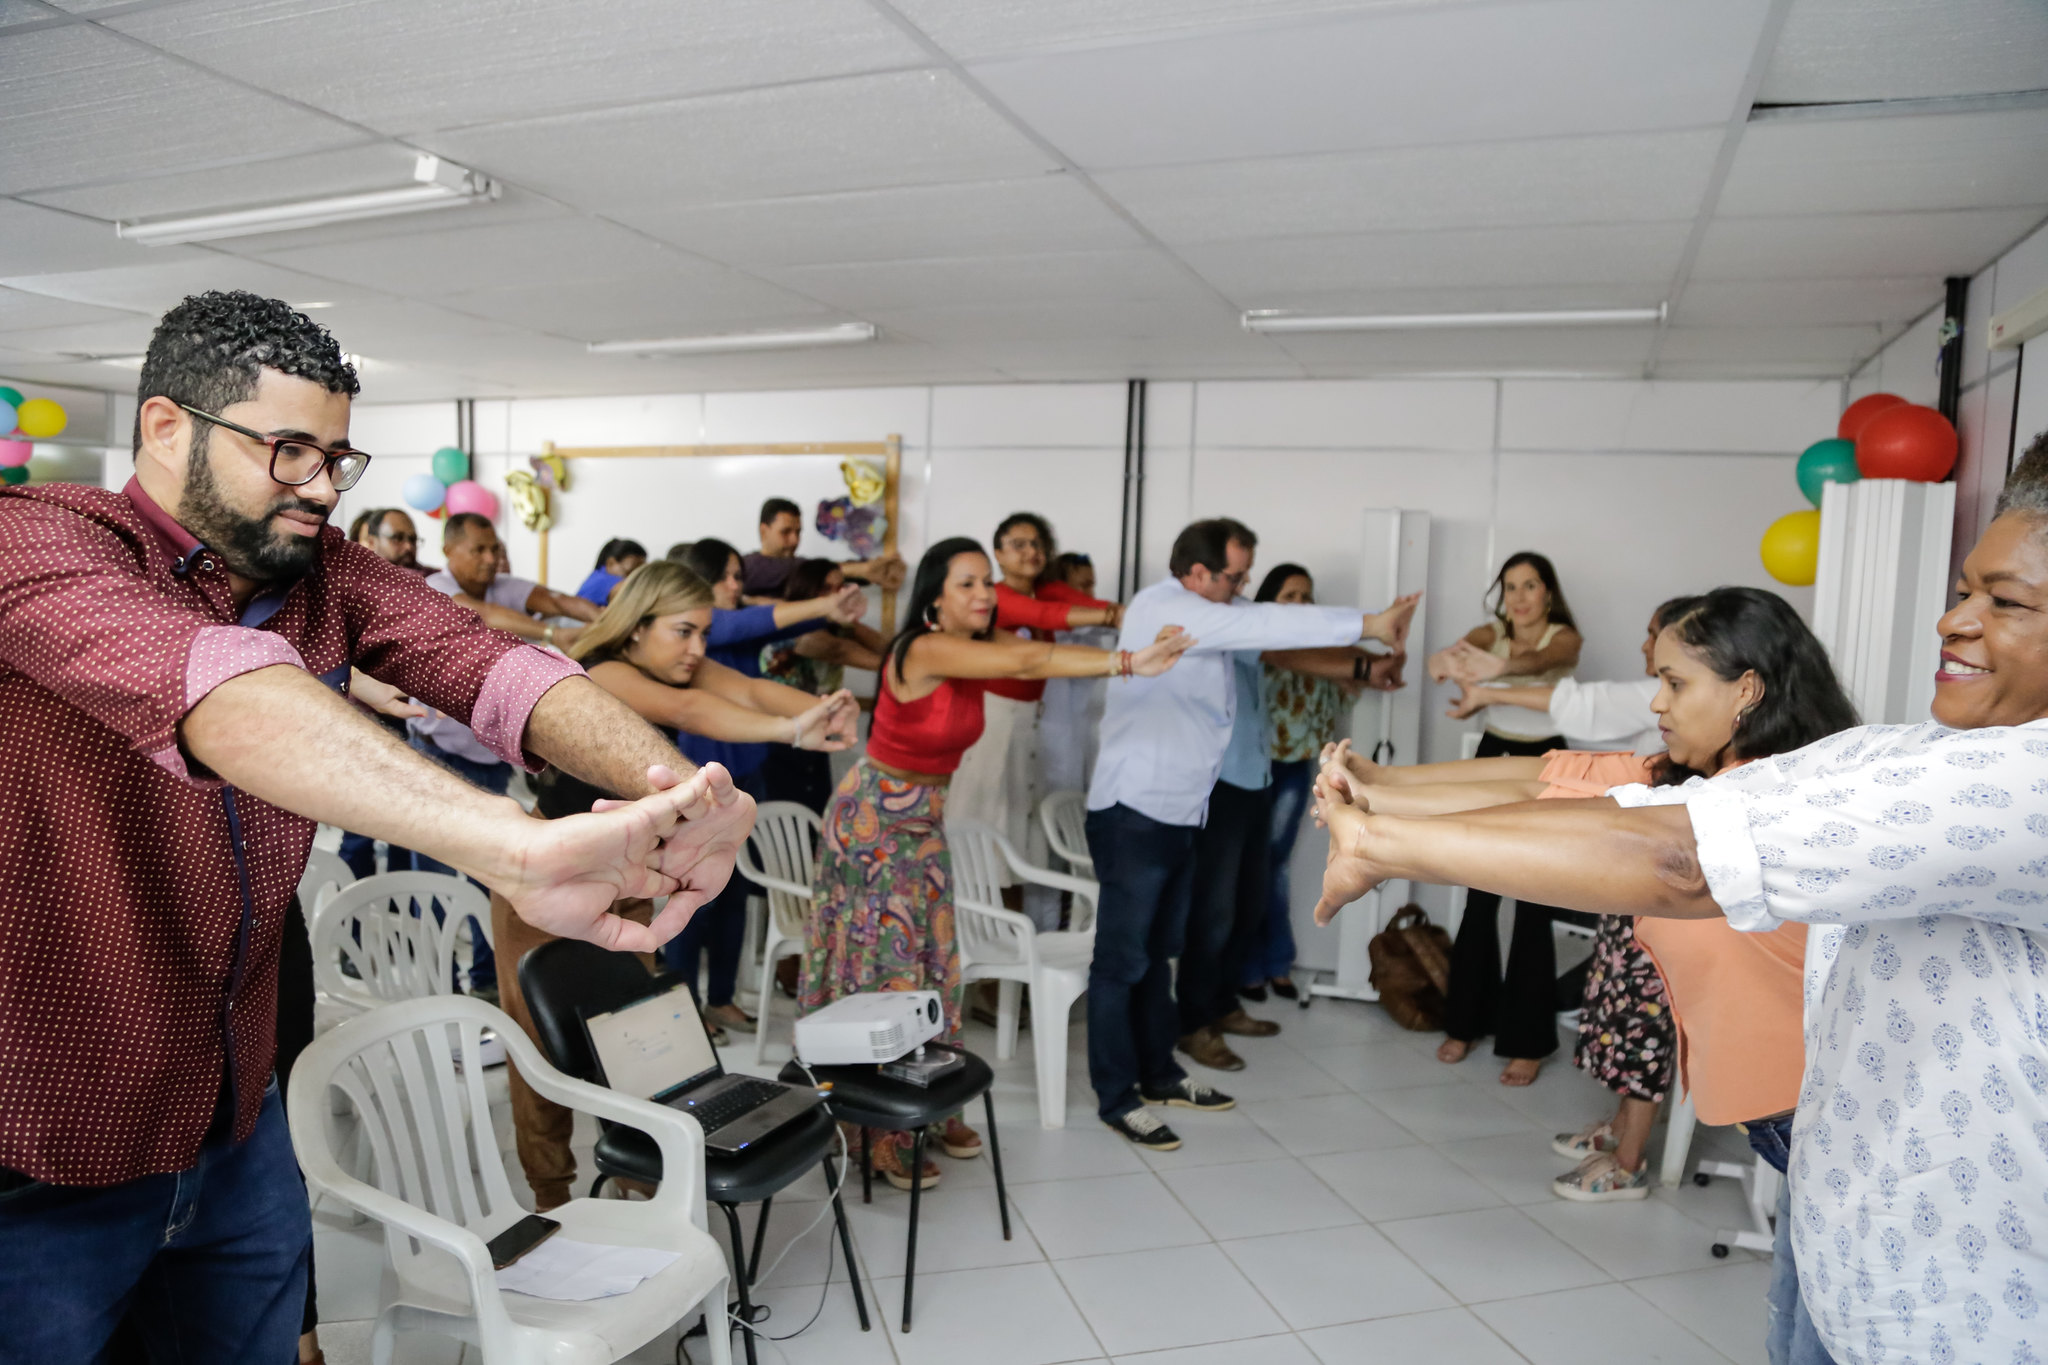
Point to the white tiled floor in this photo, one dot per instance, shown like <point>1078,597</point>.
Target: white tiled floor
<point>1363,1204</point>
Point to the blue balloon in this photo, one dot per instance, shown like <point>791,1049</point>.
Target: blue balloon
<point>424,492</point>
<point>8,417</point>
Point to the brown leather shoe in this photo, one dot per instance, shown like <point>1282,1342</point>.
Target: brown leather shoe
<point>1206,1046</point>
<point>1244,1026</point>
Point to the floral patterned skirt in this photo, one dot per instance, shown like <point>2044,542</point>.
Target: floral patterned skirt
<point>1626,1038</point>
<point>883,913</point>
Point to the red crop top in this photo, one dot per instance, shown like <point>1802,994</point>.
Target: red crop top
<point>927,735</point>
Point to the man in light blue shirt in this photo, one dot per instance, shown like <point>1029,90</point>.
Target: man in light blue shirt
<point>1163,742</point>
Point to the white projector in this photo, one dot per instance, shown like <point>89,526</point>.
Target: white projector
<point>874,1026</point>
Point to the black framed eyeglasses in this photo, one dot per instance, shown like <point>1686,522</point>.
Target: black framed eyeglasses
<point>294,462</point>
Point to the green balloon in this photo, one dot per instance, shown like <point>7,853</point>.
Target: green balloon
<point>11,397</point>
<point>16,474</point>
<point>1826,462</point>
<point>452,466</point>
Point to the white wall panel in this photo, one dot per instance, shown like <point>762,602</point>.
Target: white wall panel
<point>1028,415</point>
<point>1576,415</point>
<point>1348,415</point>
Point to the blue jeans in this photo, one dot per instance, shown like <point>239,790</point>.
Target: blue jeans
<point>1272,953</point>
<point>719,928</point>
<point>209,1263</point>
<point>1790,1338</point>
<point>1147,874</point>
<point>494,778</point>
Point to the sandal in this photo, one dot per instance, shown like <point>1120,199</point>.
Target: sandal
<point>890,1156</point>
<point>1600,1178</point>
<point>1594,1137</point>
<point>957,1140</point>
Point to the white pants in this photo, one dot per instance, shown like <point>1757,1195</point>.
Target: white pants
<point>997,783</point>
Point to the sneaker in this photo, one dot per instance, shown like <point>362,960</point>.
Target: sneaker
<point>1144,1129</point>
<point>1594,1137</point>
<point>1206,1046</point>
<point>1187,1094</point>
<point>1244,1026</point>
<point>1600,1178</point>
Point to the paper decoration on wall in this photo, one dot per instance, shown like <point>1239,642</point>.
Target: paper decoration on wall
<point>856,519</point>
<point>550,471</point>
<point>530,498</point>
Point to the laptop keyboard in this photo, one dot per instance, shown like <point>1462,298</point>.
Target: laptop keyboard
<point>750,1093</point>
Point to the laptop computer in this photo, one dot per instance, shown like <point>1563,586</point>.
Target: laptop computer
<point>658,1049</point>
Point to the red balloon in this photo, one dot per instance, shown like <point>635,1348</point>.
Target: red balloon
<point>1859,413</point>
<point>1907,442</point>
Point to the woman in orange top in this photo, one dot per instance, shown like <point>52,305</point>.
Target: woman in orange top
<point>1741,678</point>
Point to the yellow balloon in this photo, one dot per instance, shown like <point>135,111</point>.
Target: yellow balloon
<point>40,418</point>
<point>1791,548</point>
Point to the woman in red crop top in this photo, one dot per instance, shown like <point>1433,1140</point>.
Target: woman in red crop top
<point>883,916</point>
<point>999,778</point>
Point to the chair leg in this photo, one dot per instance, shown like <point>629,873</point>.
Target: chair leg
<point>995,1159</point>
<point>597,1185</point>
<point>760,1239</point>
<point>1049,1055</point>
<point>1679,1125</point>
<point>867,1170</point>
<point>717,1344</point>
<point>860,1301</point>
<point>1008,995</point>
<point>739,1279</point>
<point>910,1250</point>
<point>767,990</point>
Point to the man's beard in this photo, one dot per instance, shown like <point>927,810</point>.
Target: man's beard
<point>247,546</point>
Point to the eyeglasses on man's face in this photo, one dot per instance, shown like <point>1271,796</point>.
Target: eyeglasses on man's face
<point>295,462</point>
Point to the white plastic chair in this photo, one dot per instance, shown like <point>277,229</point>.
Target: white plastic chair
<point>781,858</point>
<point>999,944</point>
<point>325,874</point>
<point>385,927</point>
<point>1758,1177</point>
<point>441,1190</point>
<point>1064,817</point>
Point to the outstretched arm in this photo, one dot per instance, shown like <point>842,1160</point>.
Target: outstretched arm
<point>1582,855</point>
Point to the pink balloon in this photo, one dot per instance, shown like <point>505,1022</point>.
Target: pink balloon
<point>471,496</point>
<point>14,454</point>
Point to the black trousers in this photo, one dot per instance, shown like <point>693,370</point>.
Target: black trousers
<point>1228,913</point>
<point>1517,1007</point>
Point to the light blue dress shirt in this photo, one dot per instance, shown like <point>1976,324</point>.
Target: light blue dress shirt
<point>1163,738</point>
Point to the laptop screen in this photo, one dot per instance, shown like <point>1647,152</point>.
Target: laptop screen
<point>653,1046</point>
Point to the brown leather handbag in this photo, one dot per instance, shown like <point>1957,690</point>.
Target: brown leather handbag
<point>1411,969</point>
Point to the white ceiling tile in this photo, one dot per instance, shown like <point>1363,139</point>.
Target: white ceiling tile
<point>1057,319</point>
<point>21,12</point>
<point>1649,178</point>
<point>982,218</point>
<point>1848,346</point>
<point>865,132</point>
<point>486,256</point>
<point>1390,78</point>
<point>1095,276</point>
<point>344,170</point>
<point>680,301</point>
<point>1835,50</point>
<point>1693,371</point>
<point>1807,303</point>
<point>1889,165</point>
<point>987,28</point>
<point>39,241</point>
<point>403,67</point>
<point>1842,246</point>
<point>153,289</point>
<point>1289,270</point>
<point>78,104</point>
<point>20,311</point>
<point>114,334</point>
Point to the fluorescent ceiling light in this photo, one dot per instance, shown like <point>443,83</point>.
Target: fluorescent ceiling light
<point>842,334</point>
<point>437,184</point>
<point>1280,320</point>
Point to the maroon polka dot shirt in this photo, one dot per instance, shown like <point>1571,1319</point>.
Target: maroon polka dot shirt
<point>119,904</point>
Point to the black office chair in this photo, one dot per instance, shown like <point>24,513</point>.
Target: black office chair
<point>863,1095</point>
<point>561,978</point>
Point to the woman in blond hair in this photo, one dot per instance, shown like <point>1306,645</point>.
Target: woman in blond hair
<point>647,649</point>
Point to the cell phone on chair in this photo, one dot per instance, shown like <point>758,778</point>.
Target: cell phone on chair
<point>522,1237</point>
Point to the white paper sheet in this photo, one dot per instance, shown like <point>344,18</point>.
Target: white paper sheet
<point>561,1268</point>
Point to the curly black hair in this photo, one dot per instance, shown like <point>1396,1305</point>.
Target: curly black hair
<point>210,350</point>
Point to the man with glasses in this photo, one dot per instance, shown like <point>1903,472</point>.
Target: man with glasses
<point>1163,741</point>
<point>389,533</point>
<point>171,728</point>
